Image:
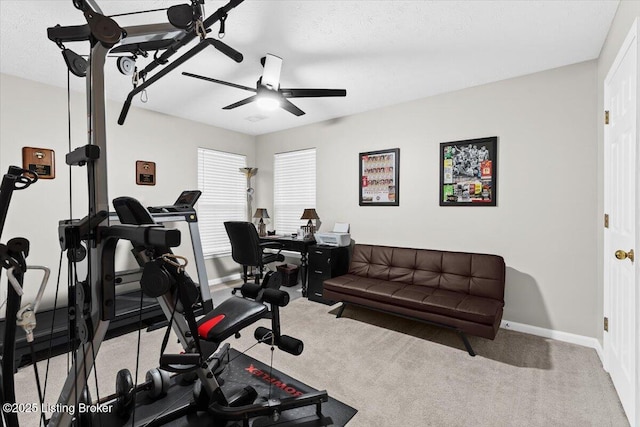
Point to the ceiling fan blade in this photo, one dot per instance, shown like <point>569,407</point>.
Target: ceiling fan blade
<point>312,93</point>
<point>287,105</point>
<point>271,73</point>
<point>240,103</point>
<point>209,79</point>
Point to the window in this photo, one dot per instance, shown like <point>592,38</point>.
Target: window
<point>294,188</point>
<point>224,197</point>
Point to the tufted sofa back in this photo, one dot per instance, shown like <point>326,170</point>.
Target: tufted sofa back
<point>474,274</point>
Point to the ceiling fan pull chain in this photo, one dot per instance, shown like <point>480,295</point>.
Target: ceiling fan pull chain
<point>221,32</point>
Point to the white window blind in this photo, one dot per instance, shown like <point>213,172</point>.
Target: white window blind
<point>294,187</point>
<point>224,197</point>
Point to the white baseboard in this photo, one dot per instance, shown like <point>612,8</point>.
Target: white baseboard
<point>555,335</point>
<point>221,280</point>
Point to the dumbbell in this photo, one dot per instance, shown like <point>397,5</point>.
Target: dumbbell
<point>157,382</point>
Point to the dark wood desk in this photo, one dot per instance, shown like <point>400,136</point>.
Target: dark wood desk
<point>295,245</point>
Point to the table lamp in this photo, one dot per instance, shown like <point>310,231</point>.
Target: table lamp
<point>262,228</point>
<point>310,214</point>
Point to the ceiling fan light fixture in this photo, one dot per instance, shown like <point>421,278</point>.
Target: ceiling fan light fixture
<point>268,104</point>
<point>268,101</point>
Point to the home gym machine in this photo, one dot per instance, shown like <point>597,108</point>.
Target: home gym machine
<point>163,277</point>
<point>13,256</point>
<point>91,301</point>
<point>51,337</point>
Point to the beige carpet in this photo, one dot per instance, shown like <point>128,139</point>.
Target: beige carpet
<point>402,373</point>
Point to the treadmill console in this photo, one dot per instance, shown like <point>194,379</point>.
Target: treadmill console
<point>185,201</point>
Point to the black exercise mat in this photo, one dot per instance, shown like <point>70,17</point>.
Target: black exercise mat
<point>243,370</point>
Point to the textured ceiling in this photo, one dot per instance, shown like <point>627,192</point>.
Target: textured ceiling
<point>381,52</point>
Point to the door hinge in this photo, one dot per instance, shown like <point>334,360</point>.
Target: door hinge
<point>606,220</point>
<point>606,324</point>
<point>606,117</point>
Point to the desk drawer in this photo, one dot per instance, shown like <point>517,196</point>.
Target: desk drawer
<point>319,275</point>
<point>315,288</point>
<point>320,260</point>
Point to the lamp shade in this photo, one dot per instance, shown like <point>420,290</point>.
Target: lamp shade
<point>309,214</point>
<point>261,213</point>
<point>249,172</point>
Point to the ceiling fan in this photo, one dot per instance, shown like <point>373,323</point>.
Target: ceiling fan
<point>268,93</point>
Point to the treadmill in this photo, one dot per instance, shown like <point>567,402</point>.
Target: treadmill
<point>51,333</point>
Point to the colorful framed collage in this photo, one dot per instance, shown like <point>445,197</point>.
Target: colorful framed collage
<point>379,178</point>
<point>468,172</point>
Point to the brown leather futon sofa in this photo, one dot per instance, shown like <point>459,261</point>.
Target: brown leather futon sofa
<point>456,290</point>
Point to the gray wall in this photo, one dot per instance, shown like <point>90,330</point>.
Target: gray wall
<point>627,12</point>
<point>545,221</point>
<point>35,115</point>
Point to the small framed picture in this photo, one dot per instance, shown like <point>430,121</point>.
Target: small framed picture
<point>39,160</point>
<point>468,172</point>
<point>145,173</point>
<point>380,178</point>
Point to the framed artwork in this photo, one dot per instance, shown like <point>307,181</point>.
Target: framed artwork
<point>379,178</point>
<point>39,160</point>
<point>468,172</point>
<point>145,173</point>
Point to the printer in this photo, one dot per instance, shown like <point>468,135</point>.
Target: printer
<point>338,237</point>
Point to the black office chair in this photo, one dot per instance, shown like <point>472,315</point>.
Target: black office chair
<point>247,250</point>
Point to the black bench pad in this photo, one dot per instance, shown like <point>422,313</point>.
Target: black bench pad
<point>229,317</point>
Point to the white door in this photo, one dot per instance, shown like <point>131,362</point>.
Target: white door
<point>621,204</point>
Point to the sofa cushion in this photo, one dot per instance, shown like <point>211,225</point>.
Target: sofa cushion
<point>371,288</point>
<point>448,303</point>
<point>417,297</point>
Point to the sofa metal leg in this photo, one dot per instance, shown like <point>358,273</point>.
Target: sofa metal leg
<point>466,342</point>
<point>341,310</point>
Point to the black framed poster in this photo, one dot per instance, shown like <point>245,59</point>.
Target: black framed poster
<point>468,172</point>
<point>379,178</point>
